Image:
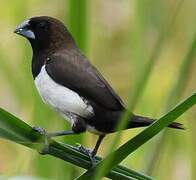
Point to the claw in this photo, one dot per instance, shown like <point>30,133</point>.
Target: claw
<point>40,130</point>
<point>89,153</point>
<point>43,132</point>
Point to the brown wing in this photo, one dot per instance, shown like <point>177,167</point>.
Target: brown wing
<point>75,72</point>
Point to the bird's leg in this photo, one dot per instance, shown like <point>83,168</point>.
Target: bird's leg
<point>43,132</point>
<point>49,135</point>
<point>78,127</point>
<point>61,133</point>
<point>54,134</point>
<point>92,153</point>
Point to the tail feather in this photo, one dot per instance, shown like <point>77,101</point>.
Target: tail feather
<point>140,121</point>
<point>176,125</point>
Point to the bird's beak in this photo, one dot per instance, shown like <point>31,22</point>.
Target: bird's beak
<point>23,30</point>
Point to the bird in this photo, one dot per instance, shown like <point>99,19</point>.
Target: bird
<point>70,84</point>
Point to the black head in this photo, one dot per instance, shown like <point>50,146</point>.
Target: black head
<point>45,32</point>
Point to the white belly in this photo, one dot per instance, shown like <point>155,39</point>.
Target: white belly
<point>61,98</point>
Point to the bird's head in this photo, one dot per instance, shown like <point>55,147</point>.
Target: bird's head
<point>45,32</point>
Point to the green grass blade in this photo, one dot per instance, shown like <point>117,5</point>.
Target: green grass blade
<point>78,22</point>
<point>141,82</point>
<point>11,124</point>
<point>174,95</point>
<point>140,139</point>
<point>16,130</point>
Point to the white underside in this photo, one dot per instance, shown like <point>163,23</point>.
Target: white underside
<point>64,100</point>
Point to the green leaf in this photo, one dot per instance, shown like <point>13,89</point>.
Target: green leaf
<point>142,80</point>
<point>16,130</point>
<point>139,140</point>
<point>177,90</point>
<point>78,16</point>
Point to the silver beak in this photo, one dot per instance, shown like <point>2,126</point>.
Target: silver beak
<point>23,30</point>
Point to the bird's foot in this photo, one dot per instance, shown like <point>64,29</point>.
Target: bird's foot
<point>44,133</point>
<point>40,130</point>
<point>89,153</point>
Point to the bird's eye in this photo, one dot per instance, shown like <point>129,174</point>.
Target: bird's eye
<point>42,25</point>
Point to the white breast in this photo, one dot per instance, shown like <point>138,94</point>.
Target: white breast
<point>61,98</point>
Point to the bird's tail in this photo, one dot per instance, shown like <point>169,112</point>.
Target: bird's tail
<point>140,121</point>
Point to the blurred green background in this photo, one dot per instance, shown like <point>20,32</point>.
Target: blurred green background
<point>118,36</point>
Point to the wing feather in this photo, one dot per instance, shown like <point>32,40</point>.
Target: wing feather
<point>74,71</point>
